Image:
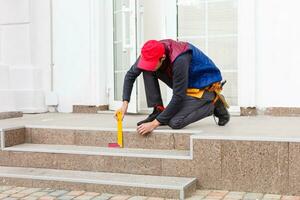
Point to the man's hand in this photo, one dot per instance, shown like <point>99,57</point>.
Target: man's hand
<point>145,128</point>
<point>123,110</point>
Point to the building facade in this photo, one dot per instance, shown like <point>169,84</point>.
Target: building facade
<point>76,52</point>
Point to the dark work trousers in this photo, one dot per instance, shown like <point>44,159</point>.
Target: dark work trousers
<point>192,110</point>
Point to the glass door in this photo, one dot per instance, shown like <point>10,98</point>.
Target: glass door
<point>212,26</point>
<point>124,50</point>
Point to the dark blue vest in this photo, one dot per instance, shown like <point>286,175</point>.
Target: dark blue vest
<point>203,72</point>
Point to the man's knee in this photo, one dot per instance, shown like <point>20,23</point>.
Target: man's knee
<point>176,124</point>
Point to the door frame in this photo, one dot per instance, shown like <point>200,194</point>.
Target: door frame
<point>113,104</point>
<point>246,55</point>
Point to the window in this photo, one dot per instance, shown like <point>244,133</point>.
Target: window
<point>211,25</point>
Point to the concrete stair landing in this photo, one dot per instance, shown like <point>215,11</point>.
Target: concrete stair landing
<point>168,187</point>
<point>101,151</point>
<point>64,152</point>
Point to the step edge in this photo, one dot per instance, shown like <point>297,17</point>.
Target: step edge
<point>193,133</point>
<point>169,131</point>
<point>212,136</point>
<point>193,181</point>
<point>182,192</point>
<point>187,179</point>
<point>75,180</point>
<point>82,152</point>
<point>11,128</point>
<point>100,182</point>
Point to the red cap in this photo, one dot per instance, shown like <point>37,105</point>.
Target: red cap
<point>152,51</point>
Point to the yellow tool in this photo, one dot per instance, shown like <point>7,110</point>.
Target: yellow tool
<point>119,144</point>
<point>120,129</point>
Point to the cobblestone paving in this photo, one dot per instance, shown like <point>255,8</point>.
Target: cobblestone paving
<point>23,193</point>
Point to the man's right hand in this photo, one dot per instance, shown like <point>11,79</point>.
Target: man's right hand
<point>123,110</point>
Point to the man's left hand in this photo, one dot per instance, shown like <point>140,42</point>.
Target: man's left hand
<point>145,128</point>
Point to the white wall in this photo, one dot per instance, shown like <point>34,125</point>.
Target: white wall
<point>40,40</point>
<point>21,83</point>
<point>79,70</point>
<point>81,65</point>
<point>277,53</point>
<point>25,54</point>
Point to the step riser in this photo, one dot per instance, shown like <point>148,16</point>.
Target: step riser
<point>14,137</point>
<point>126,190</point>
<point>103,138</point>
<point>131,165</point>
<point>12,114</point>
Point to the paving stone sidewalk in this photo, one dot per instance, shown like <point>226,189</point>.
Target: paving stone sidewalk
<point>23,193</point>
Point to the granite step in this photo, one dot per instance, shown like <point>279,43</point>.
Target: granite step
<point>98,159</point>
<point>101,151</point>
<point>10,114</point>
<point>162,139</point>
<point>143,185</point>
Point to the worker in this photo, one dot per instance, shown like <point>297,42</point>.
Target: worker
<point>194,78</point>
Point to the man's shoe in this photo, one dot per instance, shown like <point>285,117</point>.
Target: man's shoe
<point>156,111</point>
<point>221,113</point>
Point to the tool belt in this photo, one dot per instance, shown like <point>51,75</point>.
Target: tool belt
<point>216,88</point>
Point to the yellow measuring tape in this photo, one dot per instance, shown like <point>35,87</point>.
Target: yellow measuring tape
<point>120,129</point>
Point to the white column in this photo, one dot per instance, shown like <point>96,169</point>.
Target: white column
<point>79,70</point>
<point>21,84</point>
<point>246,53</point>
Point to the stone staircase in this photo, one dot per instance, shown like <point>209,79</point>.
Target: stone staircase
<point>80,159</point>
<point>164,164</point>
